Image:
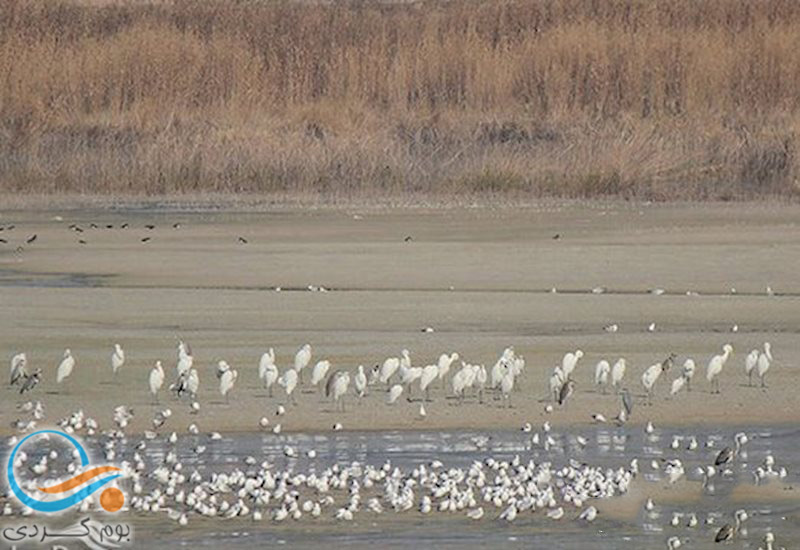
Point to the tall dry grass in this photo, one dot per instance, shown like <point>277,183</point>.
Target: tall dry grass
<point>674,99</point>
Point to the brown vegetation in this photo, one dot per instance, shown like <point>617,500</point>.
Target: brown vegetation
<point>674,99</point>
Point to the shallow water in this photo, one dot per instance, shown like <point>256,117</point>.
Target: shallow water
<point>606,446</point>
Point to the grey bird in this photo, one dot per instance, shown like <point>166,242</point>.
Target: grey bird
<point>31,381</point>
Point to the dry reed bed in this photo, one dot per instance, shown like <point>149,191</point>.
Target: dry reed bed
<point>673,99</point>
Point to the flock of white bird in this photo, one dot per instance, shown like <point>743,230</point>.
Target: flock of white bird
<point>502,489</point>
<point>399,377</point>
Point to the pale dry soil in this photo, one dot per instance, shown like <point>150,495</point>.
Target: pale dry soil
<point>481,278</point>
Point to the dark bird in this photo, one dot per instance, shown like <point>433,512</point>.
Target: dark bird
<point>31,381</point>
<point>725,533</point>
<point>556,236</point>
<point>110,226</point>
<point>242,240</point>
<point>81,241</point>
<point>93,225</point>
<point>10,227</point>
<point>150,226</point>
<point>31,239</point>
<point>176,225</point>
<point>146,239</point>
<point>408,239</point>
<point>2,227</point>
<point>567,389</point>
<point>124,226</point>
<point>725,456</point>
<point>668,362</point>
<point>3,241</point>
<point>77,229</point>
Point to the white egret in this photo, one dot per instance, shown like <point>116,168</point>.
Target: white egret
<point>289,382</point>
<point>319,371</point>
<point>185,358</point>
<point>715,367</point>
<point>394,393</point>
<point>429,374</point>
<point>444,363</point>
<point>649,379</point>
<point>227,381</point>
<point>341,381</point>
<point>117,359</point>
<point>618,372</point>
<point>267,368</point>
<point>361,381</point>
<point>66,366</point>
<point>601,373</point>
<point>570,361</point>
<point>764,360</point>
<point>750,363</point>
<point>156,379</point>
<point>301,360</point>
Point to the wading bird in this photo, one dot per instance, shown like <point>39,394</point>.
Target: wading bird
<point>715,367</point>
<point>117,359</point>
<point>156,380</point>
<point>66,366</point>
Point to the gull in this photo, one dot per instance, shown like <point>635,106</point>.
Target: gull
<point>422,413</point>
<point>589,514</point>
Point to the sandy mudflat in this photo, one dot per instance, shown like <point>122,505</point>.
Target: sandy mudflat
<point>481,278</point>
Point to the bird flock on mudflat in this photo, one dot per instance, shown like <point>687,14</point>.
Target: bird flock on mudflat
<point>496,488</point>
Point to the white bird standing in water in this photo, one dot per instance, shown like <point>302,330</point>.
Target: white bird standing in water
<point>601,373</point>
<point>764,361</point>
<point>715,367</point>
<point>117,359</point>
<point>618,372</point>
<point>156,379</point>
<point>18,368</point>
<point>301,360</point>
<point>267,370</point>
<point>66,366</point>
<point>227,381</point>
<point>677,385</point>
